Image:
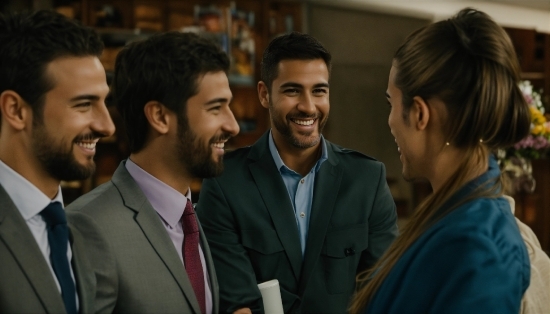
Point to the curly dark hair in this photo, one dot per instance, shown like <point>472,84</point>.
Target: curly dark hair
<point>165,68</point>
<point>292,46</point>
<point>30,41</point>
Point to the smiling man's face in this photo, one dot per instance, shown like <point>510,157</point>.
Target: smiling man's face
<point>74,118</point>
<point>208,125</point>
<point>299,102</point>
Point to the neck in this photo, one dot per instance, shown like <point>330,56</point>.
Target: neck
<point>14,153</point>
<point>446,166</point>
<point>163,168</point>
<point>298,159</point>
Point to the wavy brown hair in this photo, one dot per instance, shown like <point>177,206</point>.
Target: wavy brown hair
<point>468,62</point>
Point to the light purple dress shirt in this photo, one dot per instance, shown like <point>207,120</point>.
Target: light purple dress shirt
<point>169,205</point>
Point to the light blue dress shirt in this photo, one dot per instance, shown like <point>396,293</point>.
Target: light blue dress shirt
<point>300,189</point>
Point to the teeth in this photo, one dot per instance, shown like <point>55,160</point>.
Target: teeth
<point>304,122</point>
<point>219,145</point>
<point>87,145</point>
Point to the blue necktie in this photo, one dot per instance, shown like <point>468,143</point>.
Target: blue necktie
<point>58,237</point>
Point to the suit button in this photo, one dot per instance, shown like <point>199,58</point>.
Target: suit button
<point>349,251</point>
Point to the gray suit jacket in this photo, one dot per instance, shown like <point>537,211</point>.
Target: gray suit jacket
<point>152,278</point>
<point>251,227</point>
<point>27,284</point>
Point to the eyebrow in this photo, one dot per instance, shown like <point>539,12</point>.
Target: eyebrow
<point>292,84</point>
<point>217,100</point>
<point>85,97</point>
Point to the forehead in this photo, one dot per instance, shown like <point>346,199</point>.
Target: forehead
<point>74,76</point>
<point>393,73</point>
<point>314,70</point>
<point>392,89</point>
<point>213,85</point>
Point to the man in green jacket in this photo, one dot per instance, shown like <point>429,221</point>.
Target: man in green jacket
<point>293,206</point>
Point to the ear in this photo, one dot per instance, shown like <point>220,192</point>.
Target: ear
<point>158,116</point>
<point>15,111</point>
<point>263,94</point>
<point>420,113</point>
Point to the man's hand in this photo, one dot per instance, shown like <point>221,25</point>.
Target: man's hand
<point>244,310</point>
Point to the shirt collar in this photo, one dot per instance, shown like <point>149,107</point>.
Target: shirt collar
<point>281,165</point>
<point>28,199</point>
<point>166,201</point>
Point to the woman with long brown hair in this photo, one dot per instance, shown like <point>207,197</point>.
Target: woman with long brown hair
<point>454,98</point>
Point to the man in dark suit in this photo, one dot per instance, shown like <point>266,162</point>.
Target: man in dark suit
<point>52,103</point>
<point>173,94</point>
<point>295,207</point>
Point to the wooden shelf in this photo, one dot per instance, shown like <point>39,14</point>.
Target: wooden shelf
<point>121,21</point>
<point>533,50</point>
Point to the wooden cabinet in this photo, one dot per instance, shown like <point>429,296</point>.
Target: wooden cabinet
<point>533,50</point>
<point>534,208</point>
<point>243,28</point>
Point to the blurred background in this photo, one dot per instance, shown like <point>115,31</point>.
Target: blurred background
<point>362,36</point>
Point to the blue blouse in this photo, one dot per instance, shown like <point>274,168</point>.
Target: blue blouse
<point>473,260</point>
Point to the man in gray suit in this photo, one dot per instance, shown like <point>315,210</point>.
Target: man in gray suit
<point>173,94</point>
<point>294,206</point>
<point>52,103</point>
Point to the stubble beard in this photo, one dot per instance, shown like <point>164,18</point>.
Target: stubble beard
<point>59,161</point>
<point>304,140</point>
<point>196,156</point>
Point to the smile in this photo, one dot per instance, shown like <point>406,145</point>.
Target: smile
<point>219,145</point>
<point>303,122</point>
<point>88,144</point>
<point>398,148</point>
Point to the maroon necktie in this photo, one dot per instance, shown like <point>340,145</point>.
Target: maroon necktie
<point>191,256</point>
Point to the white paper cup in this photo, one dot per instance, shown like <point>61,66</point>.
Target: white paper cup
<point>271,295</point>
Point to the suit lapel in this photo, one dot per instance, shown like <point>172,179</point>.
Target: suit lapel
<point>83,273</point>
<point>327,184</point>
<point>148,220</point>
<point>211,271</point>
<point>15,233</point>
<point>275,196</point>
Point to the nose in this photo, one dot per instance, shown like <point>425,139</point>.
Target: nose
<point>230,124</point>
<point>306,104</point>
<point>102,122</point>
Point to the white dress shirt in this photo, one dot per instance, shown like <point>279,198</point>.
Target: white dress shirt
<point>30,201</point>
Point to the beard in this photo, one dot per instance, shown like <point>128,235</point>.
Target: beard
<point>58,158</point>
<point>197,156</point>
<point>300,140</point>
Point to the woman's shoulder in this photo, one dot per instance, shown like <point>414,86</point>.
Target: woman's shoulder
<point>480,226</point>
<point>486,216</point>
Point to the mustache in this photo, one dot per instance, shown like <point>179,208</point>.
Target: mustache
<point>89,137</point>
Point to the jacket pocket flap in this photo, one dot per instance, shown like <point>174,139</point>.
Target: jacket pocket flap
<point>265,241</point>
<point>342,242</point>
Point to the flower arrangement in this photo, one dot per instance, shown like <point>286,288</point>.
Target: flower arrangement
<point>516,161</point>
<point>537,143</point>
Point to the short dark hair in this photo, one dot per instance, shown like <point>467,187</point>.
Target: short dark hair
<point>166,68</point>
<point>292,46</point>
<point>30,41</point>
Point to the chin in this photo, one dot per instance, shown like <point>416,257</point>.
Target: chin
<point>406,175</point>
